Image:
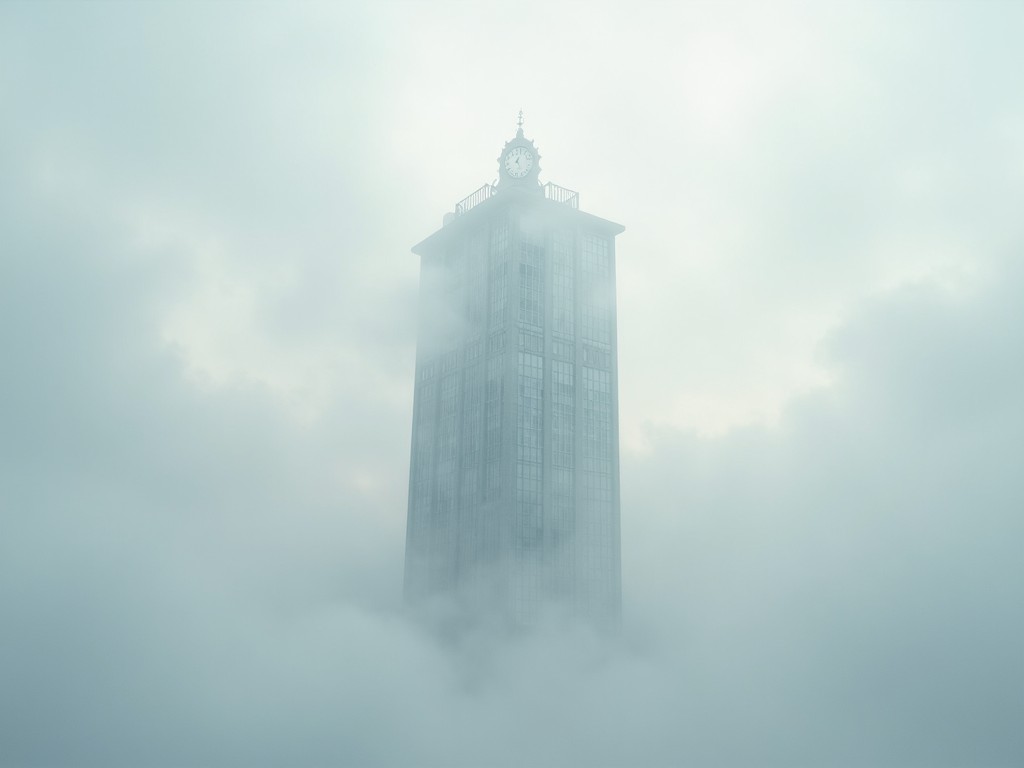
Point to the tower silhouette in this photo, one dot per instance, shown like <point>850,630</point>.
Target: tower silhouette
<point>514,474</point>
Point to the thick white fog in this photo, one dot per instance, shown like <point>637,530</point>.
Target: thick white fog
<point>207,328</point>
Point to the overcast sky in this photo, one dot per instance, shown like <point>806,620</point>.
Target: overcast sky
<point>207,308</point>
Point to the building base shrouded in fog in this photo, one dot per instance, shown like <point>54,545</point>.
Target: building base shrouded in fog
<point>514,476</point>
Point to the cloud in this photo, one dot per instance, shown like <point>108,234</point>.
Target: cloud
<point>862,556</point>
<point>191,576</point>
<point>206,322</point>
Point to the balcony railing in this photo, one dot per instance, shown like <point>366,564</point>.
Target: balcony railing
<point>562,195</point>
<point>487,191</point>
<point>473,200</point>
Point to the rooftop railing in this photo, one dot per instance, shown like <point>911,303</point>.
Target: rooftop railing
<point>487,191</point>
<point>473,200</point>
<point>562,195</point>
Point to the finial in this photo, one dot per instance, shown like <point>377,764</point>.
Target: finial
<point>519,122</point>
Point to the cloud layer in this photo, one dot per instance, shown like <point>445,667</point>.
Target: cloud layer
<point>206,318</point>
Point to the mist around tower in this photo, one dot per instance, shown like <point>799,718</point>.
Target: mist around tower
<point>250,445</point>
<point>514,477</point>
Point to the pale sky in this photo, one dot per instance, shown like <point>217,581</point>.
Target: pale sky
<point>207,321</point>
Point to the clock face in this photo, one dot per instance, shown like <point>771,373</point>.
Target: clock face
<point>518,162</point>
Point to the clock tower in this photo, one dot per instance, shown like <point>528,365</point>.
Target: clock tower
<point>514,474</point>
<point>518,165</point>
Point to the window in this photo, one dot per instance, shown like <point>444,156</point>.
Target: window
<point>596,288</point>
<point>563,287</point>
<point>531,286</point>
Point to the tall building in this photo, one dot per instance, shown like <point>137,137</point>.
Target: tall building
<point>514,476</point>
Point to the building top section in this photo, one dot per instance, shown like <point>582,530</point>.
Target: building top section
<point>487,202</point>
<point>518,180</point>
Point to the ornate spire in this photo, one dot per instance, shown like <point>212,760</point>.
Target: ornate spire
<point>519,124</point>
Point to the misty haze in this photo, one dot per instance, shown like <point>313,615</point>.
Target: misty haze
<point>348,420</point>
